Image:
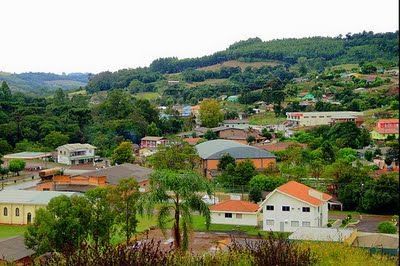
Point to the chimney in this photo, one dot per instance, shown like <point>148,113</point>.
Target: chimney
<point>315,194</point>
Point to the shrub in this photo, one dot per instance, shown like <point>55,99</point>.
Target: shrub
<point>329,225</point>
<point>387,228</point>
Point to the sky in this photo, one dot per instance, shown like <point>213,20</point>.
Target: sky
<point>93,36</point>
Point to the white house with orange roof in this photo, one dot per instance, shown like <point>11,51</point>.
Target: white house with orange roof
<point>294,205</point>
<point>236,212</point>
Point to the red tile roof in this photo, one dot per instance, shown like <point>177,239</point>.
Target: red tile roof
<point>389,120</point>
<point>192,141</point>
<point>235,206</point>
<point>302,192</point>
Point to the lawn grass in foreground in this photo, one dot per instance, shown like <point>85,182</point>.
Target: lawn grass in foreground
<point>11,230</point>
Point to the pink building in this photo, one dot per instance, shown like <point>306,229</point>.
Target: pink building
<point>152,142</point>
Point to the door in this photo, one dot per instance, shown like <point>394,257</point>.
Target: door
<point>282,226</point>
<point>29,218</point>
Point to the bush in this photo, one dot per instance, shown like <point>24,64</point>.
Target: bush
<point>329,225</point>
<point>387,228</point>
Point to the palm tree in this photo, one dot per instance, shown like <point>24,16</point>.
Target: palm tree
<point>177,194</point>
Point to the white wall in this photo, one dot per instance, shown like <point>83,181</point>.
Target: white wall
<point>247,218</point>
<point>295,214</point>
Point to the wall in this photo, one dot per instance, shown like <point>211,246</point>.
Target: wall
<point>295,214</point>
<point>247,218</point>
<point>24,209</point>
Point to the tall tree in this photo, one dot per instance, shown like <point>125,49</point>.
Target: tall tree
<point>5,92</point>
<point>62,226</point>
<point>175,156</point>
<point>210,113</point>
<point>101,215</point>
<point>179,193</point>
<point>16,165</point>
<point>123,153</point>
<point>124,199</point>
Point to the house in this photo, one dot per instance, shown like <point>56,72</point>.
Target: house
<point>19,206</point>
<point>70,183</point>
<point>186,111</point>
<point>75,153</point>
<point>29,156</point>
<point>236,212</point>
<point>115,174</point>
<point>13,250</point>
<point>98,178</point>
<point>323,118</point>
<point>294,205</point>
<point>385,128</point>
<point>152,142</point>
<point>211,152</point>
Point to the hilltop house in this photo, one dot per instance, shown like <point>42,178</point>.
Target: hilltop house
<point>236,212</point>
<point>75,153</point>
<point>385,128</point>
<point>152,142</point>
<point>211,152</point>
<point>294,205</point>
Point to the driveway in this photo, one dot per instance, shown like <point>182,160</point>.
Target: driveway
<point>368,222</point>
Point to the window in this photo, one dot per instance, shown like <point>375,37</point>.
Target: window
<point>17,212</point>
<point>306,209</point>
<point>270,207</point>
<point>305,224</point>
<point>5,211</point>
<point>294,223</point>
<point>269,222</point>
<point>238,216</point>
<point>228,215</point>
<point>286,208</point>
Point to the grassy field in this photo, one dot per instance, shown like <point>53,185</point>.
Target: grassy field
<point>347,67</point>
<point>265,119</point>
<point>11,230</point>
<point>242,65</point>
<point>147,95</point>
<point>207,82</point>
<point>331,253</point>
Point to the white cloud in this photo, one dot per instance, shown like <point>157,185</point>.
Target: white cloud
<point>93,36</point>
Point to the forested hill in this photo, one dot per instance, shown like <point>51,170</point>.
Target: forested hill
<point>40,83</point>
<point>316,52</point>
<point>365,46</point>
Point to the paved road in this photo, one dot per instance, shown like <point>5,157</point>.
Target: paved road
<point>23,185</point>
<point>368,222</point>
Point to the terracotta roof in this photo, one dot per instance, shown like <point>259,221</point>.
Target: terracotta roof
<point>389,120</point>
<point>304,193</point>
<point>278,146</point>
<point>235,206</point>
<point>192,141</point>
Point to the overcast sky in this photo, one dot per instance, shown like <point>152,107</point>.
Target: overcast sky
<point>93,36</point>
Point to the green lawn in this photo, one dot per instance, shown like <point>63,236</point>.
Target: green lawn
<point>147,95</point>
<point>199,224</point>
<point>11,230</point>
<point>265,118</point>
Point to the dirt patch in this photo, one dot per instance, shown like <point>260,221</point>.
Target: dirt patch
<point>200,242</point>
